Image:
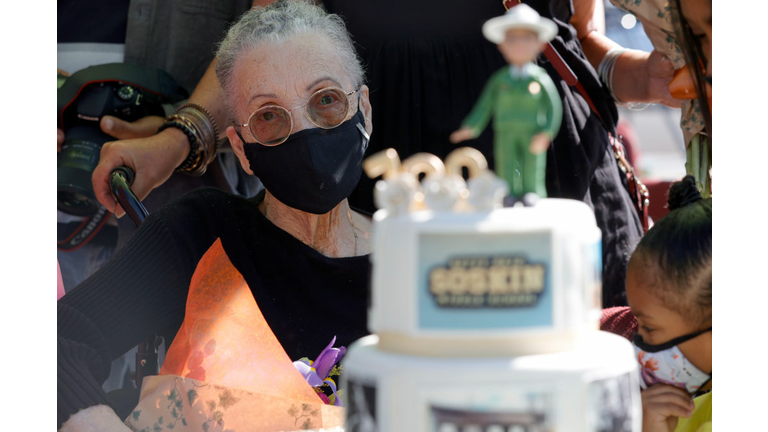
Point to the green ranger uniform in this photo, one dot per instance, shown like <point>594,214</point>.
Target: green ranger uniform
<point>522,106</point>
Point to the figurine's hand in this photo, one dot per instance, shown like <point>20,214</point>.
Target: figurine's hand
<point>662,405</point>
<point>462,134</point>
<point>539,143</point>
<point>153,159</point>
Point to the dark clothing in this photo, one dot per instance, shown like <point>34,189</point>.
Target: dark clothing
<point>179,36</point>
<point>92,21</point>
<point>427,63</point>
<point>306,297</point>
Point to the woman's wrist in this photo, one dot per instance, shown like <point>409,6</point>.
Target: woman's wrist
<point>630,77</point>
<point>177,143</point>
<point>201,132</point>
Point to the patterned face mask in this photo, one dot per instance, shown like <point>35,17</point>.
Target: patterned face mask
<point>666,364</point>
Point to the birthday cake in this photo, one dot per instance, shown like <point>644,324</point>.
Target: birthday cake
<point>483,317</point>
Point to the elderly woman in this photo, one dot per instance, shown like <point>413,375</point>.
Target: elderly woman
<point>301,122</point>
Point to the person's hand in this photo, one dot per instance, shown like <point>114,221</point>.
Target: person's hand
<point>641,76</point>
<point>660,74</point>
<point>539,143</point>
<point>662,405</point>
<point>134,150</point>
<point>122,130</point>
<point>153,159</point>
<point>462,134</point>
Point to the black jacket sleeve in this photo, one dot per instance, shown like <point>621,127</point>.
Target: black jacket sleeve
<point>140,292</point>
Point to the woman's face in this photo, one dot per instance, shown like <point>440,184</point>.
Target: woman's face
<point>287,74</point>
<point>657,324</point>
<point>698,15</point>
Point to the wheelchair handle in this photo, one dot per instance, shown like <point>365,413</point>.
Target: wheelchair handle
<point>120,179</point>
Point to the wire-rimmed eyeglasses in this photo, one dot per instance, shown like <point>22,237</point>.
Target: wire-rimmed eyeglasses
<point>271,125</point>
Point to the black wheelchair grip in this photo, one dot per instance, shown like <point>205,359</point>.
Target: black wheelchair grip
<point>120,179</point>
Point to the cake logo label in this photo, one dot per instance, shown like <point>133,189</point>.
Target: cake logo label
<point>487,282</point>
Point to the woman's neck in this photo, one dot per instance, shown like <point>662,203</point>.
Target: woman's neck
<point>332,234</point>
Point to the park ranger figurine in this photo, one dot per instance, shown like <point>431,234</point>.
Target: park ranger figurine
<point>523,102</point>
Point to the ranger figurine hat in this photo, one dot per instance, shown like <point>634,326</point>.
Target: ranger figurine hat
<point>521,16</point>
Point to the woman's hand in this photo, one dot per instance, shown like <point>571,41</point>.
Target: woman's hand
<point>122,130</point>
<point>660,74</point>
<point>641,76</point>
<point>662,405</point>
<point>153,159</point>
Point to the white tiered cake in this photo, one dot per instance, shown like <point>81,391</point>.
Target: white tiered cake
<point>484,318</point>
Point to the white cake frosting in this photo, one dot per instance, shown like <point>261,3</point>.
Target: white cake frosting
<point>491,279</point>
<point>485,317</point>
<point>592,388</point>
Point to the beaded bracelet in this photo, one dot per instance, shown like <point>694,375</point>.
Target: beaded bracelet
<point>202,148</point>
<point>192,162</point>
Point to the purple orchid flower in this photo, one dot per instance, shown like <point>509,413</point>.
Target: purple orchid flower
<point>308,372</point>
<point>328,358</point>
<point>316,373</point>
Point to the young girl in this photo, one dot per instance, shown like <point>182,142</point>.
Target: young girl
<point>669,290</point>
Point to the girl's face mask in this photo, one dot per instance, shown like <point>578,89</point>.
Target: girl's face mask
<point>666,364</point>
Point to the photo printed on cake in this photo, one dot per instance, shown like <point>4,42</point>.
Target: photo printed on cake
<point>361,406</point>
<point>496,410</point>
<point>613,404</point>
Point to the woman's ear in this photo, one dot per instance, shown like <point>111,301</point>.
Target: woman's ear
<point>237,147</point>
<point>365,105</point>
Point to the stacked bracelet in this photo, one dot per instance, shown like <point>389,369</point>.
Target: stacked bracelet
<point>201,131</point>
<point>605,72</point>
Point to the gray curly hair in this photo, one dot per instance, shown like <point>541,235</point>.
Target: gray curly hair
<point>278,22</point>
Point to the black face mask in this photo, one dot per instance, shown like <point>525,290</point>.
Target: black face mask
<point>314,169</point>
<point>638,340</point>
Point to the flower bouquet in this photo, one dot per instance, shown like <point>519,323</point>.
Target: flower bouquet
<point>226,370</point>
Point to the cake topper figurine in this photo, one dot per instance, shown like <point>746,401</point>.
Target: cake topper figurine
<point>523,102</point>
